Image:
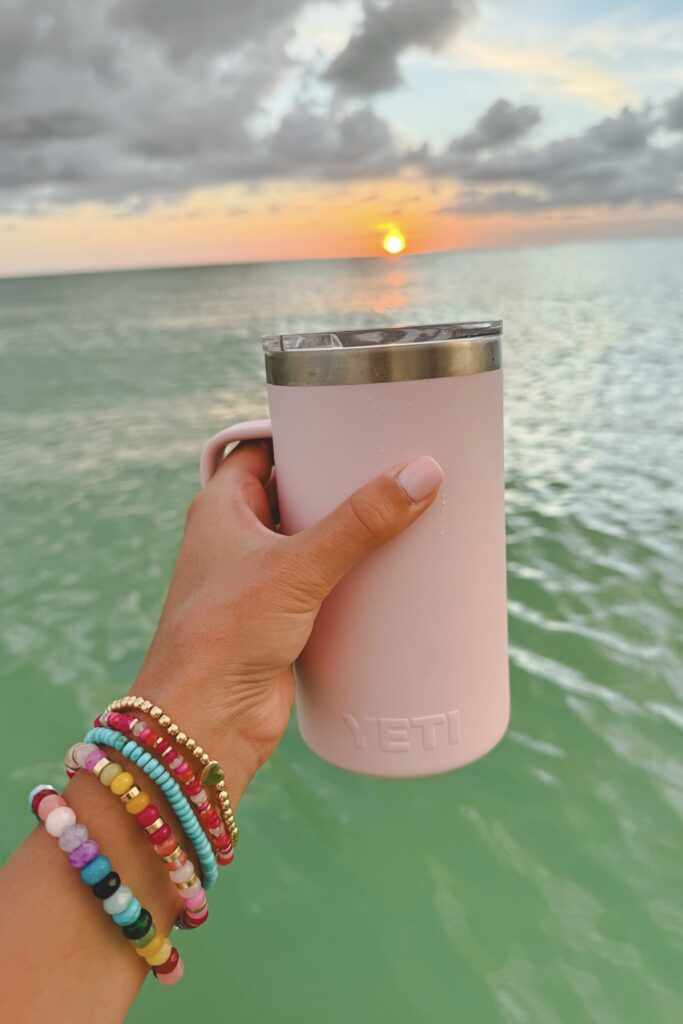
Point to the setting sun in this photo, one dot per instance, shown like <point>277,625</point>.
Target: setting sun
<point>394,242</point>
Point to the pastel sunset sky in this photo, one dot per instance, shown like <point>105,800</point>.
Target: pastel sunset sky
<point>162,132</point>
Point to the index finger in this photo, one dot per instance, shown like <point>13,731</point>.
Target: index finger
<point>242,476</point>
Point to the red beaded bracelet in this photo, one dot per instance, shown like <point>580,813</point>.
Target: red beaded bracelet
<point>207,816</point>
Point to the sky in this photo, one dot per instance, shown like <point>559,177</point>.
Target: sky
<point>163,132</point>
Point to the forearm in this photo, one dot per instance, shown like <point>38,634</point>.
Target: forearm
<point>240,609</point>
<point>63,958</point>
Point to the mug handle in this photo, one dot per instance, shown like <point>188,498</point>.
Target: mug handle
<point>214,449</point>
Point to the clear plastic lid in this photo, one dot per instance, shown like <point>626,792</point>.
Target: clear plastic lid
<point>371,337</point>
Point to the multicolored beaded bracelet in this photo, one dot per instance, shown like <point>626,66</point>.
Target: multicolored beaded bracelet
<point>171,790</point>
<point>137,802</point>
<point>211,772</point>
<point>181,870</point>
<point>206,814</point>
<point>96,871</point>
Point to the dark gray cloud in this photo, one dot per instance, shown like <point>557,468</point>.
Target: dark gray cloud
<point>201,28</point>
<point>614,162</point>
<point>471,201</point>
<point>95,108</point>
<point>130,102</point>
<point>357,145</point>
<point>52,36</point>
<point>502,124</point>
<point>626,133</point>
<point>369,62</point>
<point>26,128</point>
<point>673,114</point>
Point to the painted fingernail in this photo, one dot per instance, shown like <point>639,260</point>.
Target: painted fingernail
<point>420,477</point>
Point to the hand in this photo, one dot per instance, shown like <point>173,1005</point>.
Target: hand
<point>244,597</point>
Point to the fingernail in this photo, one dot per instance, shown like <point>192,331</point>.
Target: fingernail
<point>420,477</point>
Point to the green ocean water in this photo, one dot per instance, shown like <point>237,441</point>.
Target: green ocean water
<point>541,885</point>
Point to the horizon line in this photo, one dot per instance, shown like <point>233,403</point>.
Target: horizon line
<point>384,257</point>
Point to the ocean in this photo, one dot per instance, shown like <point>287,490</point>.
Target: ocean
<point>541,885</point>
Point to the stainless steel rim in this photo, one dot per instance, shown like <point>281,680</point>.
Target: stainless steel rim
<point>444,350</point>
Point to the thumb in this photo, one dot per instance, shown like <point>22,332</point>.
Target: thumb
<point>370,517</point>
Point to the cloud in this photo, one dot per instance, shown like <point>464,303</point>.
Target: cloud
<point>501,125</point>
<point>108,101</point>
<point>473,202</point>
<point>316,145</point>
<point>369,62</point>
<point>113,102</point>
<point>613,162</point>
<point>628,132</point>
<point>201,28</point>
<point>26,128</point>
<point>673,116</point>
<point>103,110</point>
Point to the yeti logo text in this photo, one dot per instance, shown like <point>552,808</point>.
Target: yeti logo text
<point>394,735</point>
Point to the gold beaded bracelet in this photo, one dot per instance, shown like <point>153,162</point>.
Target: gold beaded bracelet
<point>211,772</point>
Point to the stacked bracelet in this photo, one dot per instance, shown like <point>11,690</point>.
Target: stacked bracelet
<point>181,807</point>
<point>96,871</point>
<point>206,814</point>
<point>159,833</point>
<point>171,790</point>
<point>211,773</point>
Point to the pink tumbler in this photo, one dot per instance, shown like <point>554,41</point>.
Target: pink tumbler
<point>406,670</point>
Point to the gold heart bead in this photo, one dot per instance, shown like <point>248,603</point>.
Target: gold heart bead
<point>212,774</point>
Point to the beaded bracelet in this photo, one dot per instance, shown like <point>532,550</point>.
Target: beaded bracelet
<point>170,789</point>
<point>159,833</point>
<point>206,814</point>
<point>96,871</point>
<point>158,774</point>
<point>211,773</point>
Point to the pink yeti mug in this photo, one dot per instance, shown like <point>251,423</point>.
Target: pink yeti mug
<point>406,670</point>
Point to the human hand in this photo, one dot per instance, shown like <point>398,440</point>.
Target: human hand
<point>244,597</point>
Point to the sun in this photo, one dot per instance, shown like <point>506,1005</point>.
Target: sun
<point>393,242</point>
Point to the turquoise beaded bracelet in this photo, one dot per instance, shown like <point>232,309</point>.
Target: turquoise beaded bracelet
<point>171,790</point>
